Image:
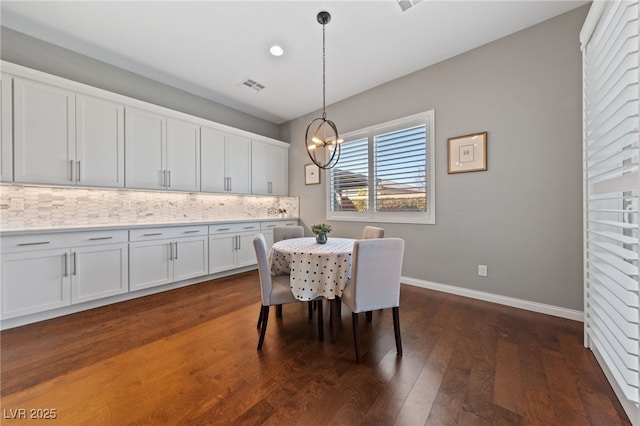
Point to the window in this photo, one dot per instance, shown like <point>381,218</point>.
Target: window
<point>385,173</point>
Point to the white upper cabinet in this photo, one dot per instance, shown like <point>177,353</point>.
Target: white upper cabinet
<point>63,138</point>
<point>6,129</point>
<point>99,142</point>
<point>226,162</point>
<point>44,136</point>
<point>59,132</point>
<point>269,169</point>
<point>145,143</point>
<point>183,155</point>
<point>162,153</point>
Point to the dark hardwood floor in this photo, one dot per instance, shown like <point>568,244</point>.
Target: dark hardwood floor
<point>189,356</point>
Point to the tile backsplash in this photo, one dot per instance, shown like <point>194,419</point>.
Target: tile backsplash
<point>37,207</point>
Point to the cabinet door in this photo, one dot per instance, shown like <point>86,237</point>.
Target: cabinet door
<point>99,271</point>
<point>212,160</point>
<point>183,155</point>
<point>6,129</point>
<point>99,142</point>
<point>190,258</point>
<point>260,168</point>
<point>34,281</point>
<point>145,149</point>
<point>150,264</point>
<point>239,164</point>
<point>245,254</point>
<point>222,252</point>
<point>279,170</point>
<point>44,133</point>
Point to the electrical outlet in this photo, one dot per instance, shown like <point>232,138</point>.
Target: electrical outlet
<point>17,204</point>
<point>482,270</point>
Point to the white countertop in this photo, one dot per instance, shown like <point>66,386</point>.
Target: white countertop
<point>102,227</point>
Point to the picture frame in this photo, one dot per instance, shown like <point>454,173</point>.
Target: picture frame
<point>467,153</point>
<point>311,174</point>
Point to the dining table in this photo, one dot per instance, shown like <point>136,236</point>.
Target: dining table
<point>316,270</point>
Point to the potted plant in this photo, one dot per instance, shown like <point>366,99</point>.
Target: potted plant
<point>321,232</point>
<point>282,212</point>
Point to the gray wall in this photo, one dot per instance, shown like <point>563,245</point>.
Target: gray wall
<point>34,53</point>
<point>522,217</point>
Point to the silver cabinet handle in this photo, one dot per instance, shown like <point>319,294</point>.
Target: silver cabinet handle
<point>33,244</point>
<point>151,235</point>
<point>71,170</point>
<point>170,251</point>
<point>249,227</point>
<point>66,269</point>
<point>229,184</point>
<point>100,238</point>
<point>223,229</point>
<point>176,254</point>
<point>239,242</point>
<point>78,174</point>
<point>74,258</point>
<point>168,178</point>
<point>190,232</point>
<point>271,226</point>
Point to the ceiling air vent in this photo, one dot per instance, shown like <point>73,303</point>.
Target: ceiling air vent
<point>407,4</point>
<point>252,84</point>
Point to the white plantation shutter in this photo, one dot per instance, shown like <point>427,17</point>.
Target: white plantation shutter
<point>611,194</point>
<point>400,170</point>
<point>350,178</point>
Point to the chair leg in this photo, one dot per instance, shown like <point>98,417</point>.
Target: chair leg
<point>320,322</point>
<point>396,329</point>
<point>278,311</point>
<point>369,316</point>
<point>265,319</point>
<point>310,304</point>
<point>260,318</point>
<point>356,336</point>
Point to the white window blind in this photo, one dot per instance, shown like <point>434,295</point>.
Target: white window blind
<point>400,170</point>
<point>612,187</point>
<point>385,173</point>
<point>350,178</point>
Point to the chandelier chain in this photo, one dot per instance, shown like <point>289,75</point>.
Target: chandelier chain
<point>324,88</point>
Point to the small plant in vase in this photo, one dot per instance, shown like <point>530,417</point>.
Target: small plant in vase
<point>321,232</point>
<point>282,212</point>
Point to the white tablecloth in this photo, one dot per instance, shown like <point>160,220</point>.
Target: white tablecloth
<point>316,269</point>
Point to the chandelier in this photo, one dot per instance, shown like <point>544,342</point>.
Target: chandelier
<point>322,141</point>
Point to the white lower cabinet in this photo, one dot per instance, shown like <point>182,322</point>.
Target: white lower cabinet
<point>231,246</point>
<point>99,271</point>
<point>164,255</point>
<point>48,271</point>
<point>35,282</point>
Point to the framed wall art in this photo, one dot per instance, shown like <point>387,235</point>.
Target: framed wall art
<point>467,153</point>
<point>311,174</point>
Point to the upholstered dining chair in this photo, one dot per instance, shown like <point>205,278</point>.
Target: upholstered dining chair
<point>376,267</point>
<point>286,232</point>
<point>370,232</point>
<point>274,290</point>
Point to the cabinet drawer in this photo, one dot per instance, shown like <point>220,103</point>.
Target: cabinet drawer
<point>20,243</point>
<point>266,226</point>
<point>224,228</point>
<point>148,234</point>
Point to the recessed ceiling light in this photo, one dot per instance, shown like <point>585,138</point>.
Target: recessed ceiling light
<point>276,50</point>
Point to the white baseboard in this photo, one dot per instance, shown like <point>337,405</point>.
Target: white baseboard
<point>495,298</point>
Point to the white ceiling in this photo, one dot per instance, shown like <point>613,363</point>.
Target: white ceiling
<point>209,47</point>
